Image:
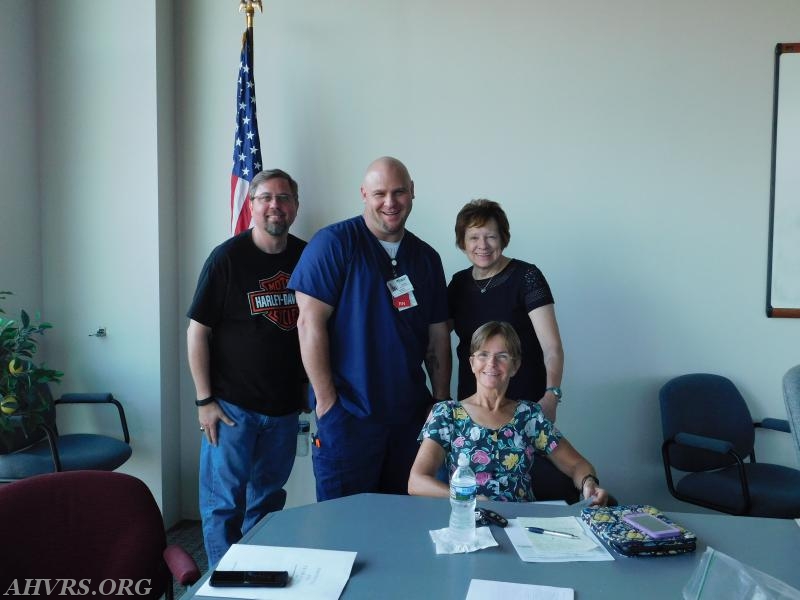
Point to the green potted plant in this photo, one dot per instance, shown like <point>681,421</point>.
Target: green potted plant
<point>24,399</point>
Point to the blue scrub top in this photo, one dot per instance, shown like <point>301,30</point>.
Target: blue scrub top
<point>376,351</point>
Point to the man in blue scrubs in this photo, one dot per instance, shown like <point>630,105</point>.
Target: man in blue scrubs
<point>373,309</point>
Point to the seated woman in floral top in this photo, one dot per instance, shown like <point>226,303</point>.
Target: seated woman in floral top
<point>501,436</point>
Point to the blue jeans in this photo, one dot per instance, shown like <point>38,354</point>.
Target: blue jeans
<point>242,477</point>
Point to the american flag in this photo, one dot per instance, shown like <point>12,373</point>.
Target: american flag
<point>247,146</point>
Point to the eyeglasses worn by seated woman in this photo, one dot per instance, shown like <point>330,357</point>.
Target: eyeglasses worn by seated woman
<point>501,357</point>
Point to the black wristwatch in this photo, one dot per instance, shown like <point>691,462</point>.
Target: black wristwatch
<point>205,401</point>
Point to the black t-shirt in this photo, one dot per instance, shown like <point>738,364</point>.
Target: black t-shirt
<point>511,294</point>
<point>255,353</point>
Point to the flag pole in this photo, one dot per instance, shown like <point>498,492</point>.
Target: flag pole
<point>249,8</point>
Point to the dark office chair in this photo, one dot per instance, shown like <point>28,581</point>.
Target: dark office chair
<point>96,527</point>
<point>708,433</point>
<point>549,483</point>
<point>791,396</point>
<point>45,451</point>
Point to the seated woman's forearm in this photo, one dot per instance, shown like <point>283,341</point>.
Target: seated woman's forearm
<point>422,480</point>
<point>587,483</point>
<point>426,485</point>
<point>584,477</point>
<point>583,474</point>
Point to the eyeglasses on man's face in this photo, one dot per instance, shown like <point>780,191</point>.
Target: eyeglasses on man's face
<point>267,198</point>
<point>502,358</point>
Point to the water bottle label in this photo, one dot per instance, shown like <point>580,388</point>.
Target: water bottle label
<point>465,493</point>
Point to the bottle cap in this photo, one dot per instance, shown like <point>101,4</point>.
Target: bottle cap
<point>463,460</point>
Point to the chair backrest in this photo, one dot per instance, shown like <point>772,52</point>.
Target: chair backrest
<point>708,405</point>
<point>82,525</point>
<point>549,483</point>
<point>791,396</point>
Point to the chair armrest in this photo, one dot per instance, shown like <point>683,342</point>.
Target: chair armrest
<point>85,398</point>
<point>53,444</point>
<point>703,442</point>
<point>181,565</point>
<point>98,398</point>
<point>774,424</point>
<point>713,445</point>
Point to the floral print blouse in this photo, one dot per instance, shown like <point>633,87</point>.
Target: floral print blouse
<point>501,458</point>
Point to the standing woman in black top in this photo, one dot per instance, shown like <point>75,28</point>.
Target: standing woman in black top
<point>498,288</point>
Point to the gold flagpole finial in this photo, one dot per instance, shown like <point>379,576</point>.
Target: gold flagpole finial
<point>249,8</point>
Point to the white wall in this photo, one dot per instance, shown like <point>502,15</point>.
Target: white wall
<point>628,141</point>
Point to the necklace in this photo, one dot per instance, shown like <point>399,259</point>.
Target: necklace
<point>485,287</point>
<point>489,283</point>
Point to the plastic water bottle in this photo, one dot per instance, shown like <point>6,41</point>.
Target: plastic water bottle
<point>463,490</point>
<point>303,430</point>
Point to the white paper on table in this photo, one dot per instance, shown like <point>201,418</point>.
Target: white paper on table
<point>535,547</point>
<point>483,588</point>
<point>313,573</point>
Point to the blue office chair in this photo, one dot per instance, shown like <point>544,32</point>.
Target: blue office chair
<point>708,433</point>
<point>791,396</point>
<point>45,451</point>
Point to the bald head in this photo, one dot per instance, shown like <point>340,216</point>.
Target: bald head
<point>387,163</point>
<point>388,193</point>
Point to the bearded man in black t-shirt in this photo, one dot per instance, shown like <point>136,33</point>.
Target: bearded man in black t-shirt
<point>245,361</point>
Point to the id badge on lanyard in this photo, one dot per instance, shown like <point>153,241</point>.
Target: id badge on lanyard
<point>402,293</point>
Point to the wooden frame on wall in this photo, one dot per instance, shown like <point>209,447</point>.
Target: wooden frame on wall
<point>783,263</point>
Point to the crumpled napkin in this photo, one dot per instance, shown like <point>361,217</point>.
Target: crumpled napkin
<point>446,545</point>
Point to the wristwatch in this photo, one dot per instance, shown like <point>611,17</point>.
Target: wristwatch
<point>556,391</point>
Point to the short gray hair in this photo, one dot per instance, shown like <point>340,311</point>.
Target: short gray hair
<point>274,174</point>
<point>504,330</point>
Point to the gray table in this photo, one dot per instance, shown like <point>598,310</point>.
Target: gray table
<point>396,557</point>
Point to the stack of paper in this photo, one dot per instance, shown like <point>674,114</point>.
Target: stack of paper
<point>320,574</point>
<point>534,547</point>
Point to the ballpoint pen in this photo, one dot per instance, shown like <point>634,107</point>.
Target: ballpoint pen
<point>553,533</point>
